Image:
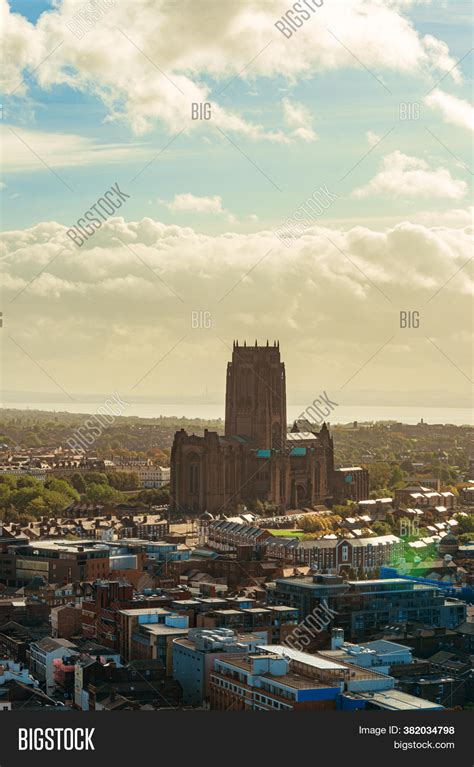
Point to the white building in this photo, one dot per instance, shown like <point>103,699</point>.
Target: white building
<point>43,653</point>
<point>153,476</point>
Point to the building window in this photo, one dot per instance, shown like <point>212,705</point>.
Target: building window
<point>194,474</point>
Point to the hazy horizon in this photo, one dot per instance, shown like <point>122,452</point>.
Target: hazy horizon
<point>341,416</point>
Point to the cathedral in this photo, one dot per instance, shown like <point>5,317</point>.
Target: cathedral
<point>257,458</point>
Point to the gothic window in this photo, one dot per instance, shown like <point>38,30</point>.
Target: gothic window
<point>194,473</point>
<point>276,440</point>
<point>248,388</point>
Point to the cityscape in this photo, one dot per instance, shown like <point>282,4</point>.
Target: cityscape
<point>236,369</point>
<point>251,573</point>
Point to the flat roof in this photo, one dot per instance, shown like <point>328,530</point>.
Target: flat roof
<point>396,700</point>
<point>145,611</point>
<point>210,600</point>
<point>378,581</point>
<point>160,629</point>
<point>317,661</point>
<point>238,638</point>
<point>58,544</point>
<point>290,679</point>
<point>255,610</point>
<point>384,646</point>
<point>350,468</point>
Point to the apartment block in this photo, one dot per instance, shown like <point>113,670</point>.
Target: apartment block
<point>364,607</point>
<point>194,656</point>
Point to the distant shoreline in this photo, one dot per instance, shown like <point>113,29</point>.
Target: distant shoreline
<point>343,414</point>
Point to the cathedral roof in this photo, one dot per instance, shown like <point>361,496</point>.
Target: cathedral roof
<point>299,436</point>
<point>231,438</point>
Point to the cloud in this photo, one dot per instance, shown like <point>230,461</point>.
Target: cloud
<point>404,176</point>
<point>372,138</point>
<point>192,203</point>
<point>92,308</point>
<point>22,149</point>
<point>453,110</point>
<point>148,67</point>
<point>179,252</point>
<point>299,117</point>
<point>455,218</point>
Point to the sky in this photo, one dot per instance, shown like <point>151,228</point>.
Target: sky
<point>362,107</point>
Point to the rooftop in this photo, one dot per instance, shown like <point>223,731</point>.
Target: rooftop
<point>145,611</point>
<point>49,645</point>
<point>384,647</point>
<point>316,661</point>
<point>396,700</point>
<point>238,638</point>
<point>159,629</point>
<point>291,679</point>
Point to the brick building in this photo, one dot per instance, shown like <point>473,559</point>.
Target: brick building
<point>14,641</point>
<point>350,483</point>
<point>149,527</point>
<point>60,561</point>
<point>338,555</point>
<point>99,611</point>
<point>66,621</point>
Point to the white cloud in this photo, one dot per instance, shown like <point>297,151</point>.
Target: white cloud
<point>453,110</point>
<point>149,66</point>
<point>23,147</point>
<point>192,203</point>
<point>372,138</point>
<point>455,218</point>
<point>404,176</point>
<point>299,117</point>
<point>438,51</point>
<point>90,309</point>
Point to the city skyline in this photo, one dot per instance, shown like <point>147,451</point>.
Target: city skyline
<point>236,368</point>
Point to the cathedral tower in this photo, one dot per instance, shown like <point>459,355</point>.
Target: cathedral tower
<point>256,395</point>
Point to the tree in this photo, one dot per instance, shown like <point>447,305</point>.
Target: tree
<point>124,480</point>
<point>32,440</point>
<point>100,493</point>
<point>63,487</point>
<point>159,496</point>
<point>382,492</point>
<point>56,502</point>
<point>5,493</point>
<point>77,481</point>
<point>27,481</point>
<point>381,528</point>
<point>22,497</point>
<point>96,478</point>
<point>396,476</point>
<point>466,524</point>
<point>379,475</point>
<point>346,510</point>
<point>11,515</point>
<point>37,507</point>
